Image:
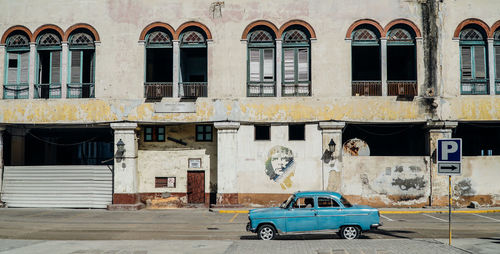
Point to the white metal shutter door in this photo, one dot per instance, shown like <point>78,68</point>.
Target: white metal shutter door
<point>57,186</point>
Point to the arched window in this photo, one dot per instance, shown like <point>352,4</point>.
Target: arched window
<point>81,67</point>
<point>261,78</point>
<point>159,64</point>
<point>401,62</point>
<point>193,63</point>
<point>16,84</point>
<point>48,62</point>
<point>366,67</point>
<point>296,62</point>
<point>473,62</point>
<point>496,43</point>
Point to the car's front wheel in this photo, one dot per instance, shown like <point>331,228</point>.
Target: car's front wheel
<point>266,232</point>
<point>350,232</point>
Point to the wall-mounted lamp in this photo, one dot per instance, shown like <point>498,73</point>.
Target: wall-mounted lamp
<point>120,149</point>
<point>331,146</point>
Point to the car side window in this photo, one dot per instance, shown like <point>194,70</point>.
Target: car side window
<point>304,202</point>
<point>327,202</point>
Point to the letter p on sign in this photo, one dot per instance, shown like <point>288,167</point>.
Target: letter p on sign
<point>449,150</point>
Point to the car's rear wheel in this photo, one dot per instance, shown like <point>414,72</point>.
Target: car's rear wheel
<point>266,232</point>
<point>350,232</point>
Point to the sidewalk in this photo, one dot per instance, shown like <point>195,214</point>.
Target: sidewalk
<point>393,246</point>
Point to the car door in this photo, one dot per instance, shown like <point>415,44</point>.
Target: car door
<point>330,214</point>
<point>301,216</point>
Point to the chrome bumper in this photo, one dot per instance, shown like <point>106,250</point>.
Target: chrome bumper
<point>375,226</point>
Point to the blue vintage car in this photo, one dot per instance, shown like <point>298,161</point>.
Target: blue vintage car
<point>313,211</point>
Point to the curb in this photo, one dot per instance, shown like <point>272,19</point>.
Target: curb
<point>392,212</point>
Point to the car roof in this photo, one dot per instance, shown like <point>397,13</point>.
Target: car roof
<point>309,193</point>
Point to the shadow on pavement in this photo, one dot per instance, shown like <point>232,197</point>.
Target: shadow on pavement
<point>493,239</point>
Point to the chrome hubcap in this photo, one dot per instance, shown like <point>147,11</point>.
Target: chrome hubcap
<point>266,233</point>
<point>350,233</point>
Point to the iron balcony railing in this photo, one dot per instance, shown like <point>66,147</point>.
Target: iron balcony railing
<point>192,89</point>
<point>296,89</point>
<point>367,88</point>
<point>81,90</point>
<point>157,90</point>
<point>476,86</point>
<point>16,91</point>
<point>402,88</point>
<point>46,91</point>
<point>261,89</point>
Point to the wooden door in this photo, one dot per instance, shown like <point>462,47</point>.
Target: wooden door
<point>196,187</point>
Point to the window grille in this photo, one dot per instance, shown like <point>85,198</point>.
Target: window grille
<point>18,41</point>
<point>49,39</point>
<point>364,35</point>
<point>399,34</point>
<point>471,35</point>
<point>192,37</point>
<point>81,39</point>
<point>295,36</point>
<point>260,36</point>
<point>158,38</point>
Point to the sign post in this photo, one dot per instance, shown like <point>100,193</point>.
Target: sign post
<point>449,160</point>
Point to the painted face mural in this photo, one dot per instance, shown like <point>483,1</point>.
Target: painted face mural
<point>280,166</point>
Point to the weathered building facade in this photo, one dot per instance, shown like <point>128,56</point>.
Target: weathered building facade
<point>244,102</point>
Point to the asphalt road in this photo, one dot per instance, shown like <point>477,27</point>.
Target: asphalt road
<point>201,224</point>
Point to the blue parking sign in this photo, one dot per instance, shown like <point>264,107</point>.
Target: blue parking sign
<point>449,150</point>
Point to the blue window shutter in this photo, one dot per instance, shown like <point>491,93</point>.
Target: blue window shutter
<point>268,68</point>
<point>55,67</point>
<point>254,68</point>
<point>289,65</point>
<point>12,71</point>
<point>75,66</point>
<point>479,62</point>
<point>466,62</point>
<point>497,61</point>
<point>24,68</point>
<point>303,64</point>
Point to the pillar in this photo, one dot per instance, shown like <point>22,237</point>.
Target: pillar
<point>125,168</point>
<point>491,66</point>
<point>383,64</point>
<point>64,70</point>
<point>17,146</point>
<point>2,129</point>
<point>332,163</point>
<point>175,68</point>
<point>32,71</point>
<point>209,65</point>
<point>438,183</point>
<point>279,54</point>
<point>227,162</point>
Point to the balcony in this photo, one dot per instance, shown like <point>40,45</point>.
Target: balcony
<point>261,89</point>
<point>81,90</point>
<point>367,88</point>
<point>46,91</point>
<point>406,88</point>
<point>154,91</point>
<point>192,89</point>
<point>474,87</point>
<point>296,89</point>
<point>16,91</point>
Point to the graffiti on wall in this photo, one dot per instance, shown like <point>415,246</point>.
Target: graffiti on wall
<point>280,166</point>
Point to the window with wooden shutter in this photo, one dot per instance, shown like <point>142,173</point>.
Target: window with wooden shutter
<point>466,62</point>
<point>497,62</point>
<point>303,64</point>
<point>55,75</point>
<point>289,65</point>
<point>24,68</point>
<point>13,67</point>
<point>76,56</point>
<point>479,61</point>
<point>254,67</point>
<point>268,65</point>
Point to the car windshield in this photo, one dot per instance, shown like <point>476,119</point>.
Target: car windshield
<point>287,202</point>
<point>345,202</point>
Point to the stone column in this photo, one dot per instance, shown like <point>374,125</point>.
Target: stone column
<point>98,76</point>
<point>332,163</point>
<point>2,67</point>
<point>279,54</point>
<point>125,168</point>
<point>227,162</point>
<point>209,65</point>
<point>2,129</point>
<point>383,64</point>
<point>438,183</point>
<point>64,70</point>
<point>175,68</point>
<point>491,65</point>
<point>17,146</point>
<point>421,88</point>
<point>32,71</point>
